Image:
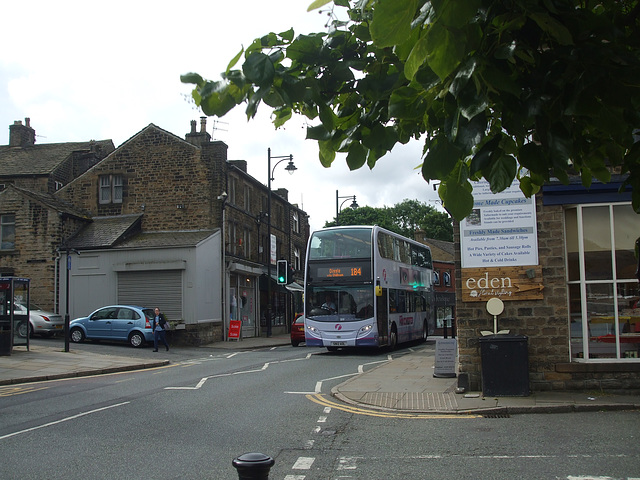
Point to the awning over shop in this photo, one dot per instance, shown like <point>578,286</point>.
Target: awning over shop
<point>295,287</point>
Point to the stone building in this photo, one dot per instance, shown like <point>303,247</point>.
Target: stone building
<point>160,221</point>
<point>577,306</point>
<point>46,167</point>
<point>30,227</point>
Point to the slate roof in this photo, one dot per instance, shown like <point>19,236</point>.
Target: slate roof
<point>52,202</point>
<point>443,245</point>
<point>166,239</point>
<point>44,158</point>
<point>104,232</point>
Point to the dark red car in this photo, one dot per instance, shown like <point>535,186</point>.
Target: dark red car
<point>297,330</point>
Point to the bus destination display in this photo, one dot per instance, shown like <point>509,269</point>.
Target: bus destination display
<point>343,271</point>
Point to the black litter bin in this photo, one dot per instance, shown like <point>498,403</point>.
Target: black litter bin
<point>505,365</point>
<point>6,340</point>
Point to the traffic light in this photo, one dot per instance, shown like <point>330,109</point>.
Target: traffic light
<point>282,271</point>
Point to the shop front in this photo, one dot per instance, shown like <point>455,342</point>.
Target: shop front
<point>242,302</point>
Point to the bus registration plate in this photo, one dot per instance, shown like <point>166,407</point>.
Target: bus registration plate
<point>338,344</point>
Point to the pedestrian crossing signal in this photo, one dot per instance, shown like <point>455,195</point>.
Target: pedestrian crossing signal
<point>282,271</point>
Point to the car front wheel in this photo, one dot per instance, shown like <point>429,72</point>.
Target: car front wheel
<point>136,339</point>
<point>77,335</point>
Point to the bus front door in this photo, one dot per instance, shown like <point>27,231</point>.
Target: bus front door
<point>382,317</point>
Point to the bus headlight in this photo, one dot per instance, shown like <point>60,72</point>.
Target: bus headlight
<point>313,331</point>
<point>364,331</point>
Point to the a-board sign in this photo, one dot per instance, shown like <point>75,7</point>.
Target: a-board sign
<point>505,283</point>
<point>445,364</point>
<point>234,328</point>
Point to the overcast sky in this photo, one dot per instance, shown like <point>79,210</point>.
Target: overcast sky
<point>83,70</point>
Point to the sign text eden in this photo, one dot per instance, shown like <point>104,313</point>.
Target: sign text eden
<point>506,283</point>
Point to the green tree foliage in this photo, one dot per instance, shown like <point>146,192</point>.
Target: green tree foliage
<point>403,218</point>
<point>526,89</point>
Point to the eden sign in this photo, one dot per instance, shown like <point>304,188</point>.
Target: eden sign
<point>505,283</point>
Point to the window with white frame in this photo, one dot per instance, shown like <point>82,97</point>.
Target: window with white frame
<point>604,318</point>
<point>232,191</point>
<point>247,198</point>
<point>296,223</point>
<point>7,232</point>
<point>296,259</point>
<point>246,238</point>
<point>111,187</point>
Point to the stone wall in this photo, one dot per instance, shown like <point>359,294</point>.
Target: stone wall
<point>170,180</point>
<point>545,322</point>
<point>39,233</point>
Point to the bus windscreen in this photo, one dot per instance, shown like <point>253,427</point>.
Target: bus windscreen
<point>342,243</point>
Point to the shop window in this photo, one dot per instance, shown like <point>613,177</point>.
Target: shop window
<point>603,290</point>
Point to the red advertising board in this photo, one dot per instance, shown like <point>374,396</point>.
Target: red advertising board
<point>234,328</point>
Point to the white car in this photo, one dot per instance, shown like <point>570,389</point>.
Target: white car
<point>40,322</point>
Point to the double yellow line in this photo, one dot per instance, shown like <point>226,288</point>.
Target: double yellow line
<point>321,399</point>
<point>19,390</point>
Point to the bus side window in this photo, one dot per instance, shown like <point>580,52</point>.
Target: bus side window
<point>392,302</point>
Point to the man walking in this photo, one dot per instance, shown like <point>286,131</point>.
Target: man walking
<point>160,326</point>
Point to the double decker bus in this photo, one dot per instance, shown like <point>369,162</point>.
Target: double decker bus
<point>366,287</point>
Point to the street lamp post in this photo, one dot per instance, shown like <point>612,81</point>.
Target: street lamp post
<point>339,205</point>
<point>290,168</point>
<point>66,315</point>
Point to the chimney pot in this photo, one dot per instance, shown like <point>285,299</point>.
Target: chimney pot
<point>203,124</point>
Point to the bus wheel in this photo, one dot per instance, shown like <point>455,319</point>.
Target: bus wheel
<point>393,338</point>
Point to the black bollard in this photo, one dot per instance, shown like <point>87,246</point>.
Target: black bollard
<point>253,466</point>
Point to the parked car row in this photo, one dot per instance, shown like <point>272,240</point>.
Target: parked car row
<point>127,323</point>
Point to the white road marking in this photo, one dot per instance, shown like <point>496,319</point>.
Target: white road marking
<point>322,419</point>
<point>347,463</point>
<point>62,420</point>
<point>264,367</point>
<point>203,380</point>
<point>294,477</point>
<point>303,463</point>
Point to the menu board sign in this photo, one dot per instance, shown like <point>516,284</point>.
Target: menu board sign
<point>501,229</point>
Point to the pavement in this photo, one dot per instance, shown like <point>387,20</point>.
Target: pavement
<point>402,382</point>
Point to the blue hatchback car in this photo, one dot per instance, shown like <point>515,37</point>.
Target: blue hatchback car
<point>115,322</point>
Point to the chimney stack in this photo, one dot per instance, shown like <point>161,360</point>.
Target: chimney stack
<point>22,135</point>
<point>198,138</point>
